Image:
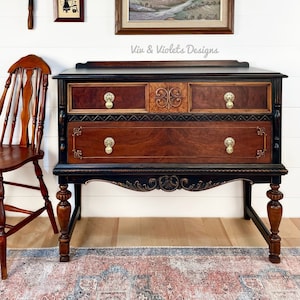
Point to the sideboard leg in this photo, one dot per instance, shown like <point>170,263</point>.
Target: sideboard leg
<point>63,215</point>
<point>275,214</point>
<point>77,198</point>
<point>247,189</point>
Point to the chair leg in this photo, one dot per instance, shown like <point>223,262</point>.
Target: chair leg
<point>3,249</point>
<point>3,237</point>
<point>44,191</point>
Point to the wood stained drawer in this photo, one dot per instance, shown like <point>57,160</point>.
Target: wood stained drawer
<point>169,142</point>
<point>107,97</point>
<point>231,97</point>
<point>170,97</point>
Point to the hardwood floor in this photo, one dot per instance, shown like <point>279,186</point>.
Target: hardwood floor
<point>111,232</point>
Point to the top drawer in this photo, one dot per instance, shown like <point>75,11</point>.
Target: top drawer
<point>170,97</point>
<point>231,97</point>
<point>101,97</point>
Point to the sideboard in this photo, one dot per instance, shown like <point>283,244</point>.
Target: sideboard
<point>169,125</point>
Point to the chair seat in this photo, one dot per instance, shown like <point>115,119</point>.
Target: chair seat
<point>12,157</point>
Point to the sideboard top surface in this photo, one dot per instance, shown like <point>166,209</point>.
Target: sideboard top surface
<point>171,68</point>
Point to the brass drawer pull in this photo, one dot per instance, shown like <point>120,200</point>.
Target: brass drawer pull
<point>109,98</point>
<point>109,142</point>
<point>229,143</point>
<point>229,99</point>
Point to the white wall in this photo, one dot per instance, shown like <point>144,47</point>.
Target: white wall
<point>266,35</point>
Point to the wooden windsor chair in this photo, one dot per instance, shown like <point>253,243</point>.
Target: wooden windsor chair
<point>22,114</point>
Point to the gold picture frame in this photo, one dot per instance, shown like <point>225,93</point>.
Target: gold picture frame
<point>179,17</point>
<point>68,10</point>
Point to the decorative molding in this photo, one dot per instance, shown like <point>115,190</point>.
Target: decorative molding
<point>168,117</point>
<point>169,183</point>
<point>77,153</point>
<point>77,131</point>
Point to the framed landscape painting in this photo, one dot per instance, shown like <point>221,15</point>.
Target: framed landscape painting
<point>174,16</point>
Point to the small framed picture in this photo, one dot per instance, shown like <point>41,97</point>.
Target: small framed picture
<point>68,10</point>
<point>174,17</point>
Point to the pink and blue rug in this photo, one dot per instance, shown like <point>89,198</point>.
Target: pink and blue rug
<point>152,273</point>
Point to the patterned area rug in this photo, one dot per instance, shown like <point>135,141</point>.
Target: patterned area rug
<point>152,273</point>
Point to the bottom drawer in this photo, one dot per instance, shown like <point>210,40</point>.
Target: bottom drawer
<point>169,142</point>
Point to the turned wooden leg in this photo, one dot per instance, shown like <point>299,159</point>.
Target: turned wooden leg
<point>275,215</point>
<point>3,249</point>
<point>63,215</point>
<point>45,194</point>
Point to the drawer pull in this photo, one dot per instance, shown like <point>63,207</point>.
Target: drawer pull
<point>109,98</point>
<point>229,99</point>
<point>229,143</point>
<point>109,142</point>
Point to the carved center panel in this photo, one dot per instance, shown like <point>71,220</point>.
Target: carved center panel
<point>168,97</point>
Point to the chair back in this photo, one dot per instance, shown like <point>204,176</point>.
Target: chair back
<point>22,104</point>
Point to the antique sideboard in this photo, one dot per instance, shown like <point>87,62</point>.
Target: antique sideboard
<point>169,125</point>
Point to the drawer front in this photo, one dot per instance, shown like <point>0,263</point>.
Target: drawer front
<point>170,97</point>
<point>107,97</point>
<point>239,97</point>
<point>169,142</point>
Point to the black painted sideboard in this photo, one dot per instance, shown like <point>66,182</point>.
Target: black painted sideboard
<point>190,125</point>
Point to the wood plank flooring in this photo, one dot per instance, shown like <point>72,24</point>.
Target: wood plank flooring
<point>112,232</point>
